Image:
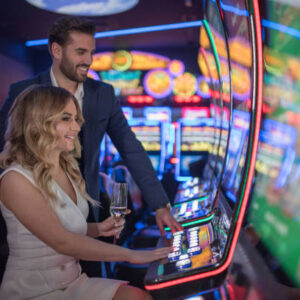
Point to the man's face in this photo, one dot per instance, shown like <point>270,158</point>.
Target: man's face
<point>77,56</point>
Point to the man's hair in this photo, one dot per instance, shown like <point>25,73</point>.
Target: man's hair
<point>62,27</point>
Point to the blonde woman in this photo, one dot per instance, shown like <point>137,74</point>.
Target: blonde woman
<point>44,204</point>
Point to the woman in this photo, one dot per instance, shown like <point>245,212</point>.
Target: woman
<point>44,203</point>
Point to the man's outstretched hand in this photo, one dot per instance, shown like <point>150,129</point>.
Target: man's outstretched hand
<point>164,217</point>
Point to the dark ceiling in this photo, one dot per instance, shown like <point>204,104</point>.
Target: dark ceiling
<point>20,21</point>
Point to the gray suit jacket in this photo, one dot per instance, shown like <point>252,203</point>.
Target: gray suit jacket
<point>102,113</point>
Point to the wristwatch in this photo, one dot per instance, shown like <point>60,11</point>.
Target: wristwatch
<point>168,206</point>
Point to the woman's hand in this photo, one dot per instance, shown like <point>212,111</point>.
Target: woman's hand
<point>147,256</point>
<point>111,227</point>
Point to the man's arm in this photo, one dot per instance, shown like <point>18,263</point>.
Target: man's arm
<point>140,167</point>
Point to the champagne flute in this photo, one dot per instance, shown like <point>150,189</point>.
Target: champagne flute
<point>118,204</point>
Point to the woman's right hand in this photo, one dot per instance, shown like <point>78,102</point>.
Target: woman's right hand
<point>147,256</point>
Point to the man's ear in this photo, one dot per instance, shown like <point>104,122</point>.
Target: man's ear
<point>56,50</point>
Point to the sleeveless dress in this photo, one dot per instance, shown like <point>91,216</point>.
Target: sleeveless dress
<point>36,271</point>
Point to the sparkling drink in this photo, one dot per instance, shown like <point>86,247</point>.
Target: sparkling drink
<point>118,211</point>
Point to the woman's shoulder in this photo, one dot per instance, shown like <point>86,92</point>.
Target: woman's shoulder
<point>14,171</point>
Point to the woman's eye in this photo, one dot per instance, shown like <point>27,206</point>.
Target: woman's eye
<point>66,119</point>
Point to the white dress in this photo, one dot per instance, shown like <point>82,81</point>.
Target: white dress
<point>36,271</point>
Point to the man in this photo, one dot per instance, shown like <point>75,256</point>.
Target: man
<point>71,45</point>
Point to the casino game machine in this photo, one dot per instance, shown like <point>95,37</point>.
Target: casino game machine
<point>203,251</point>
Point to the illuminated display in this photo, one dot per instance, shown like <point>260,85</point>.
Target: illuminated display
<point>102,61</point>
<point>137,73</point>
<point>240,51</point>
<point>187,99</point>
<point>219,41</point>
<point>88,8</point>
<point>194,112</point>
<point>122,60</point>
<point>236,153</point>
<point>152,134</point>
<point>94,75</point>
<point>185,85</point>
<point>138,60</point>
<point>194,139</point>
<point>275,206</point>
<point>191,209</point>
<point>276,143</point>
<point>158,113</point>
<point>148,61</point>
<point>149,136</point>
<point>158,83</point>
<point>176,67</point>
<point>191,250</point>
<point>124,83</point>
<point>214,70</point>
<point>203,87</point>
<point>128,112</point>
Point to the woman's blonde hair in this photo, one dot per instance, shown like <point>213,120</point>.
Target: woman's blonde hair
<point>31,136</point>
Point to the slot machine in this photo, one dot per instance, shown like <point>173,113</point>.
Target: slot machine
<point>203,251</point>
<point>109,155</point>
<point>152,135</point>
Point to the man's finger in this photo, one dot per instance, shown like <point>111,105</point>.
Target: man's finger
<point>161,228</point>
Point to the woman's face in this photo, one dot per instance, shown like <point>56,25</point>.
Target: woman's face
<point>67,128</point>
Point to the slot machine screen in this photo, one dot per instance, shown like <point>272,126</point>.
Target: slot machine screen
<point>161,113</point>
<point>151,135</point>
<point>275,205</point>
<point>194,141</point>
<point>109,155</point>
<point>236,153</point>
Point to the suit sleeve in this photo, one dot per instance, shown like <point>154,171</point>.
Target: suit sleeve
<point>4,110</point>
<point>134,156</point>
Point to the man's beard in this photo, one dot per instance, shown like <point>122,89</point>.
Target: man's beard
<point>69,70</point>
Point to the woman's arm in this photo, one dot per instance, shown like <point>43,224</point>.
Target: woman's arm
<point>35,213</point>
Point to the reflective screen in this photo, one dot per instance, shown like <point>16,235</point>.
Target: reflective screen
<point>275,207</point>
<point>236,19</point>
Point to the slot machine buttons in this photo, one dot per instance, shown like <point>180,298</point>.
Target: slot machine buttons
<point>194,250</point>
<point>183,209</point>
<point>197,228</point>
<point>187,214</point>
<point>183,256</point>
<point>173,256</point>
<point>195,206</point>
<point>178,233</point>
<point>183,264</point>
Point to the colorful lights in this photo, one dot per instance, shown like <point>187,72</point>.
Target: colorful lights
<point>175,67</point>
<point>280,27</point>
<point>185,85</point>
<point>122,60</point>
<point>158,83</point>
<point>128,31</point>
<point>187,99</point>
<point>140,99</point>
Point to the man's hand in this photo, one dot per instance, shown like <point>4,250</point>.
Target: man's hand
<point>164,217</point>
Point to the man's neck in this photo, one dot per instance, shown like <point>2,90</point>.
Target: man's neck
<point>63,81</point>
